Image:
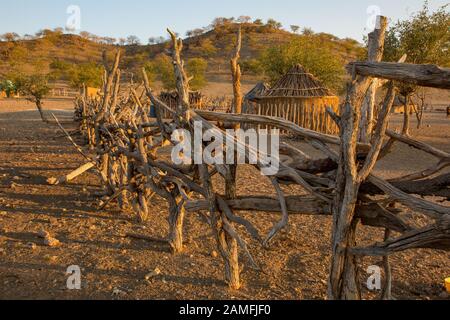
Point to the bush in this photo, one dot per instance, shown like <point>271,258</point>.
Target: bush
<point>313,56</point>
<point>8,87</point>
<point>89,74</point>
<point>163,67</point>
<point>35,86</point>
<point>196,68</point>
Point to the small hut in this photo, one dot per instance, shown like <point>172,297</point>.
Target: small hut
<point>171,99</point>
<point>301,98</point>
<point>250,107</point>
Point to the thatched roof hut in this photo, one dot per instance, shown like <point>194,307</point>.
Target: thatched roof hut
<point>301,98</point>
<point>257,91</point>
<point>171,99</point>
<point>249,99</point>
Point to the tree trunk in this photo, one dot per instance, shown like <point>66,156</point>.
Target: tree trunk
<point>41,111</point>
<point>232,265</point>
<point>344,284</point>
<point>406,117</point>
<point>375,54</point>
<point>176,219</point>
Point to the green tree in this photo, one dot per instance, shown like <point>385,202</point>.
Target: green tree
<point>425,38</point>
<point>258,22</point>
<point>295,28</point>
<point>59,69</point>
<point>273,24</point>
<point>163,66</point>
<point>8,87</point>
<point>205,48</point>
<point>89,74</point>
<point>314,56</point>
<point>133,41</point>
<point>151,70</point>
<point>196,68</point>
<point>9,36</point>
<point>308,32</point>
<point>35,88</point>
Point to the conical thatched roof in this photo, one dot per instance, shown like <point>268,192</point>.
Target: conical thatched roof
<point>297,83</point>
<point>257,91</point>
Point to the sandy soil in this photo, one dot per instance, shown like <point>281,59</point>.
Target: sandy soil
<point>114,267</point>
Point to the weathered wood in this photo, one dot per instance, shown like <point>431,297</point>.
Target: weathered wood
<point>438,186</point>
<point>371,214</point>
<point>375,54</point>
<point>434,237</point>
<point>418,145</point>
<point>421,75</point>
<point>431,209</point>
<point>182,80</point>
<point>74,174</point>
<point>277,123</point>
<point>340,185</point>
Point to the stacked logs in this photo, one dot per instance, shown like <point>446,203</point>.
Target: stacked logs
<point>126,152</point>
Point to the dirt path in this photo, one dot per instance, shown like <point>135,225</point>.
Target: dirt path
<point>114,266</point>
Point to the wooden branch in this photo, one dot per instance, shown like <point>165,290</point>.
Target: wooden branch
<point>108,84</point>
<point>182,80</point>
<point>224,206</point>
<point>431,209</point>
<point>69,177</point>
<point>422,75</point>
<point>418,145</point>
<point>236,74</point>
<point>434,237</point>
<point>285,218</point>
<point>377,141</point>
<point>370,214</point>
<point>375,54</point>
<point>79,149</point>
<point>438,186</point>
<point>425,173</point>
<point>278,123</point>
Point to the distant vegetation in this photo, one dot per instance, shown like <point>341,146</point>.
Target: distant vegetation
<point>8,87</point>
<point>316,57</point>
<point>35,88</point>
<point>89,74</point>
<point>161,68</point>
<point>78,58</point>
<point>425,38</point>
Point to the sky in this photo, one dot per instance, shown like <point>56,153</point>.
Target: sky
<point>150,18</point>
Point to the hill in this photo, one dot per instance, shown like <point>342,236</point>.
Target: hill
<point>215,46</point>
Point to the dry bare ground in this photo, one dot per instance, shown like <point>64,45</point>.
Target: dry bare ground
<point>115,266</point>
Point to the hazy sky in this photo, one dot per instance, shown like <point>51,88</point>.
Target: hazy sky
<point>120,18</point>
